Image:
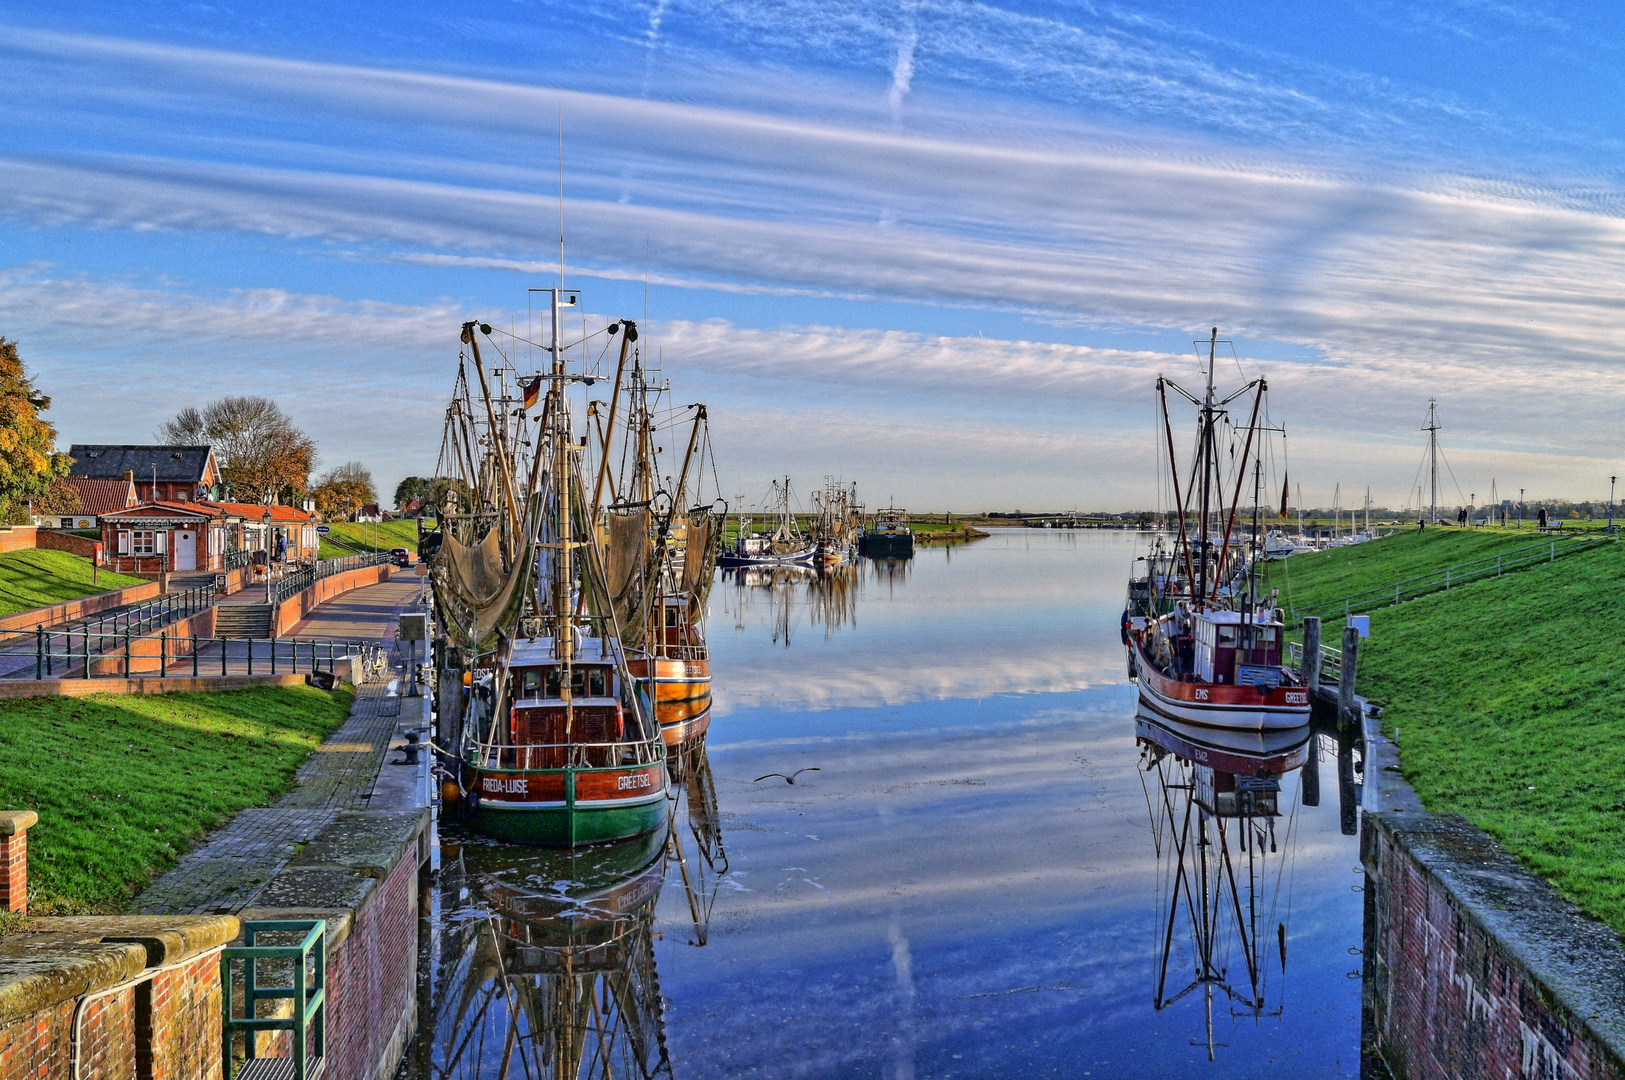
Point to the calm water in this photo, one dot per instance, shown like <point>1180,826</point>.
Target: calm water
<point>975,881</point>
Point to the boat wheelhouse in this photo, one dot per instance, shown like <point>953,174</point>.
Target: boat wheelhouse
<point>1220,668</point>
<point>675,667</point>
<point>570,756</point>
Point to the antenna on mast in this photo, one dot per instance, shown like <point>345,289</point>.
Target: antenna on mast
<point>561,197</point>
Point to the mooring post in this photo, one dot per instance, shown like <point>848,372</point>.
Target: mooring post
<point>1348,711</point>
<point>1311,653</point>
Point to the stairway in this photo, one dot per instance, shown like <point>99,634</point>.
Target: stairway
<point>242,620</point>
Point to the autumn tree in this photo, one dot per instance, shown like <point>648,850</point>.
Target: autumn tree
<point>342,492</point>
<point>413,487</point>
<point>29,461</point>
<point>258,446</point>
<point>60,498</point>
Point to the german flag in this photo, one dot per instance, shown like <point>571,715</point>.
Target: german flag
<point>533,391</point>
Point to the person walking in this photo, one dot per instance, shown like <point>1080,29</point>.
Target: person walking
<point>1543,517</point>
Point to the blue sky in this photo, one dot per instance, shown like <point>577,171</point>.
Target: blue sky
<point>941,249</point>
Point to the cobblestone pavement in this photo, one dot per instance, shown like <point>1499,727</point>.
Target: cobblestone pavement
<point>223,874</point>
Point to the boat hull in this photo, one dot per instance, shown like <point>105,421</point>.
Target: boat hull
<point>568,807</point>
<point>1218,705</point>
<point>681,691</point>
<point>888,545</point>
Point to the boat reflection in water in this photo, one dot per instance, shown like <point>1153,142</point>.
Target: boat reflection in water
<point>543,961</point>
<point>830,596</point>
<point>1223,839</point>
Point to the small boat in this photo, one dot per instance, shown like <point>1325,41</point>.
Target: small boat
<point>784,546</point>
<point>1204,647</point>
<point>888,536</point>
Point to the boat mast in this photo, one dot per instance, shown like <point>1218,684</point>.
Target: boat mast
<point>1205,450</point>
<point>1433,458</point>
<point>563,638</point>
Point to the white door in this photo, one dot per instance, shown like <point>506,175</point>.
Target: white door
<point>186,550</point>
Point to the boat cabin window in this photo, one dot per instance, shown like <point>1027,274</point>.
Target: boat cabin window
<point>1227,637</point>
<point>532,685</point>
<point>671,616</point>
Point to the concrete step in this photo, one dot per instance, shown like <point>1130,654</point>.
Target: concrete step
<point>242,620</point>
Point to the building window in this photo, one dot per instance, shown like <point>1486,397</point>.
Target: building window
<point>143,542</point>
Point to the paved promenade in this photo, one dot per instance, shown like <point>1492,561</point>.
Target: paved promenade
<point>222,875</point>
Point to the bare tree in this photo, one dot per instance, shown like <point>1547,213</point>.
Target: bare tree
<point>259,448</point>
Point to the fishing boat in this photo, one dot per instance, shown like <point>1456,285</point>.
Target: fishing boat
<point>1204,647</point>
<point>888,535</point>
<point>557,743</point>
<point>836,524</point>
<point>783,546</point>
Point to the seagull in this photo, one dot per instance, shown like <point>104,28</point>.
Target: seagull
<point>788,779</point>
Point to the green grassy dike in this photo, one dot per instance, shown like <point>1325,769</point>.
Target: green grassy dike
<point>125,785</point>
<point>1507,700</point>
<point>37,578</point>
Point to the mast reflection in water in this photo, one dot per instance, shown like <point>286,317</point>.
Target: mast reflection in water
<point>1224,846</point>
<point>542,961</point>
<point>830,596</point>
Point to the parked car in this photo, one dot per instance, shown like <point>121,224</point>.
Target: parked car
<point>400,557</point>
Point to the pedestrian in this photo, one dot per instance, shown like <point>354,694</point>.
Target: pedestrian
<point>1543,517</point>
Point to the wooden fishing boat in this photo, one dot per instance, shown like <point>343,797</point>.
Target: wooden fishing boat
<point>1204,647</point>
<point>675,666</point>
<point>558,743</point>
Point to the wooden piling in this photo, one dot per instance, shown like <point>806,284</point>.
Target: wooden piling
<point>1311,653</point>
<point>1348,710</point>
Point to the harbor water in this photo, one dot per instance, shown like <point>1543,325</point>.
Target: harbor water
<point>979,871</point>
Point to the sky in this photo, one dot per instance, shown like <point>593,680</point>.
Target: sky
<point>941,249</point>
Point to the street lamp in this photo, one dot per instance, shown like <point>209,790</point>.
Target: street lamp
<point>1520,508</point>
<point>265,545</point>
<point>1611,480</point>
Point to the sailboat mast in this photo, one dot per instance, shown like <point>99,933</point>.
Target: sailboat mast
<point>563,638</point>
<point>1433,459</point>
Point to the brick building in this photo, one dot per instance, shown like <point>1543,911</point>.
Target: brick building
<point>289,526</point>
<point>160,473</point>
<point>96,497</point>
<point>185,536</point>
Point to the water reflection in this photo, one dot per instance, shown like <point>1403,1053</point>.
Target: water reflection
<point>543,962</point>
<point>1224,896</point>
<point>830,596</point>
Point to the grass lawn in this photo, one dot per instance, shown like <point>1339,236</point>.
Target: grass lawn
<point>359,538</point>
<point>31,579</point>
<point>124,785</point>
<point>1507,699</point>
<point>1315,580</point>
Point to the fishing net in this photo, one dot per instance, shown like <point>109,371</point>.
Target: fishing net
<point>627,569</point>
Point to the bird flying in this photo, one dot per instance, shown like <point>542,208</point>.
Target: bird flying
<point>787,779</point>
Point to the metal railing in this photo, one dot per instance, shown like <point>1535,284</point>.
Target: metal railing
<point>1451,576</point>
<point>569,755</point>
<point>300,580</point>
<point>238,558</point>
<point>306,993</point>
<point>88,655</point>
<point>1331,661</point>
<point>138,619</point>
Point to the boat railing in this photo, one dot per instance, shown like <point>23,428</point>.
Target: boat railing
<point>530,756</point>
<point>1450,577</point>
<point>679,652</point>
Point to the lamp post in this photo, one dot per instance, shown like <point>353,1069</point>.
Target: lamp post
<point>1611,480</point>
<point>265,545</point>
<point>1520,508</point>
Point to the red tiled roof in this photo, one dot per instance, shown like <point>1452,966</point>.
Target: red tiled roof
<point>256,512</point>
<point>162,509</point>
<point>101,496</point>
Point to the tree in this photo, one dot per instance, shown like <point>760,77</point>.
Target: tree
<point>29,461</point>
<point>343,491</point>
<point>257,445</point>
<point>413,487</point>
<point>59,498</point>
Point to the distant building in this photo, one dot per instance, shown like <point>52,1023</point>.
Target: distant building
<point>185,536</point>
<point>96,497</point>
<point>160,473</point>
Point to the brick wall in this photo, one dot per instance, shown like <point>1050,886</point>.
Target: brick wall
<point>14,872</point>
<point>181,1036</point>
<point>69,610</point>
<point>294,608</point>
<point>51,540</point>
<point>1473,968</point>
<point>17,538</point>
<point>148,652</point>
<point>372,980</point>
<point>41,1047</point>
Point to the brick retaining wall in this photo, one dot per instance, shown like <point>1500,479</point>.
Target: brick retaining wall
<point>69,610</point>
<point>73,544</point>
<point>151,684</point>
<point>296,608</point>
<point>17,538</point>
<point>1476,968</point>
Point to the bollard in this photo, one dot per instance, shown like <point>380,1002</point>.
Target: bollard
<point>1348,710</point>
<point>1311,653</point>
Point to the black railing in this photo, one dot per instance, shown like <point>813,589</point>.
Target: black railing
<point>300,580</point>
<point>138,620</point>
<point>237,558</point>
<point>87,655</point>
